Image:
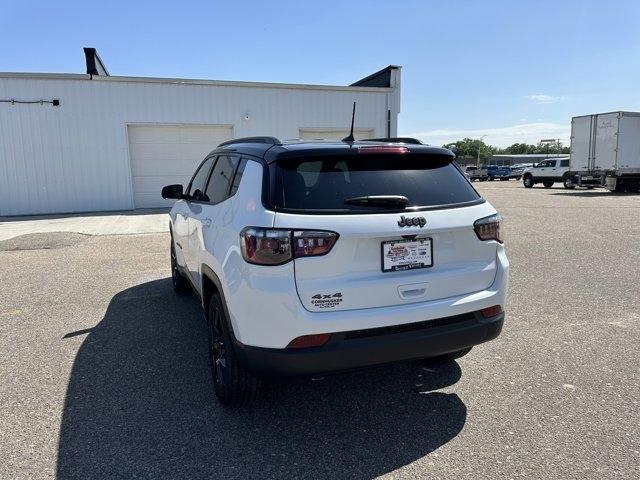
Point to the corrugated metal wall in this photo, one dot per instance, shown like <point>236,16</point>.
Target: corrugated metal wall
<point>75,158</point>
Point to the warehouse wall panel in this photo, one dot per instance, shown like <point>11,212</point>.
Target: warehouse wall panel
<point>75,157</point>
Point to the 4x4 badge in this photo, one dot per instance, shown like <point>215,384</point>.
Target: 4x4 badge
<point>412,221</point>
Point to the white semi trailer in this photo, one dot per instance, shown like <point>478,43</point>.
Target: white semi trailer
<point>605,151</point>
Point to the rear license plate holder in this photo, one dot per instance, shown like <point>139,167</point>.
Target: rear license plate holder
<point>406,254</point>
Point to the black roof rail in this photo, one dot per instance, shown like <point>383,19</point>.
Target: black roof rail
<point>267,140</point>
<point>413,141</point>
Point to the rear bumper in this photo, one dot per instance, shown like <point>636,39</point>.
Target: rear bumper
<point>587,179</point>
<point>377,346</point>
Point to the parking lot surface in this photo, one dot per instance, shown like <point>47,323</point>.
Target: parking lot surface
<point>104,370</point>
<point>101,223</point>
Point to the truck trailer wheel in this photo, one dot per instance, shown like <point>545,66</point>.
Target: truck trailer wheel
<point>527,181</point>
<point>568,183</point>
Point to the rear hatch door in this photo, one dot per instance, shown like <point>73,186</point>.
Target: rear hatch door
<point>385,255</point>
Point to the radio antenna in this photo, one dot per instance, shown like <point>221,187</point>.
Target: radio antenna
<point>353,116</point>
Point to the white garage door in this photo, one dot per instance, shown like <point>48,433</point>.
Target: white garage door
<point>334,133</point>
<point>166,154</point>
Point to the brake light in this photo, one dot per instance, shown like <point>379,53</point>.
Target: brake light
<point>488,228</point>
<point>273,246</point>
<point>383,149</point>
<point>311,243</point>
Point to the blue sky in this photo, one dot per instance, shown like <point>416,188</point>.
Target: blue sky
<point>516,71</point>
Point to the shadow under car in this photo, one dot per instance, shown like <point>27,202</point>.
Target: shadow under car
<point>140,403</point>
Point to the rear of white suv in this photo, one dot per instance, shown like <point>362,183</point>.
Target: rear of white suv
<point>335,256</point>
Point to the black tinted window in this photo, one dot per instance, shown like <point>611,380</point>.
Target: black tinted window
<point>237,177</point>
<point>564,163</point>
<point>324,184</point>
<point>221,176</point>
<point>199,180</point>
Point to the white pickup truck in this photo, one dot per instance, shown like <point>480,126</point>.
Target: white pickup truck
<point>547,172</point>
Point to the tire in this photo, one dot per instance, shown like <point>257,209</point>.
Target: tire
<point>590,187</point>
<point>566,182</point>
<point>233,384</point>
<point>490,179</point>
<point>179,283</point>
<point>547,184</point>
<point>518,178</point>
<point>504,179</point>
<point>527,181</point>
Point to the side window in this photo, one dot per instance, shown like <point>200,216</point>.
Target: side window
<point>199,180</point>
<point>564,163</point>
<point>218,188</point>
<point>237,177</point>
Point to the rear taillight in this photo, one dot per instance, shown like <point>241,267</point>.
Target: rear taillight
<point>273,246</point>
<point>266,246</point>
<point>311,243</point>
<point>488,228</point>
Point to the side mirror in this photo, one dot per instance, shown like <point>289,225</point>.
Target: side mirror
<point>172,191</point>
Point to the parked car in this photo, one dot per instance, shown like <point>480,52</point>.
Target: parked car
<point>476,173</point>
<point>548,172</point>
<point>517,171</point>
<point>319,257</point>
<point>501,172</point>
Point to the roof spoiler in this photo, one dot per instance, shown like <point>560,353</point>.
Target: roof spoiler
<point>267,140</point>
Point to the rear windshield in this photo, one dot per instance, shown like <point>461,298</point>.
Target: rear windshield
<point>324,184</point>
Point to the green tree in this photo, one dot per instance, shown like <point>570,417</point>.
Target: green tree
<point>519,149</point>
<point>555,147</point>
<point>469,147</point>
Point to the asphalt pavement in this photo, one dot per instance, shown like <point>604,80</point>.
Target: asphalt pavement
<point>104,371</point>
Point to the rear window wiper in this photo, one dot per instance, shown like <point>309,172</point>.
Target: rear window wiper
<point>379,200</point>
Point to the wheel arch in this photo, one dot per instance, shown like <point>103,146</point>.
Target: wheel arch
<point>212,285</point>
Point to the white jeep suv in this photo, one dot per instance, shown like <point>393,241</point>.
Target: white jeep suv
<point>319,257</point>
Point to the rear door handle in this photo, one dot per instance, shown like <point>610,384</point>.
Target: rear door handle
<point>415,290</point>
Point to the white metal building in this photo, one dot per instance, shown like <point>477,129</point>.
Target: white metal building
<point>96,142</point>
